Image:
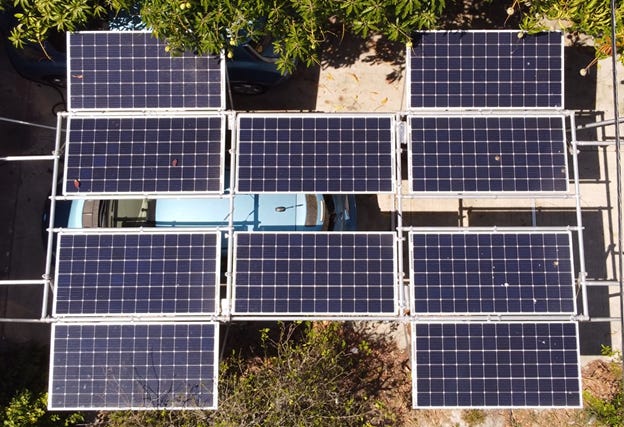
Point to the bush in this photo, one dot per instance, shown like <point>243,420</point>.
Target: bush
<point>305,374</point>
<point>608,410</point>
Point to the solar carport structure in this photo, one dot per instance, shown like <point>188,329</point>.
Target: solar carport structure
<point>493,312</point>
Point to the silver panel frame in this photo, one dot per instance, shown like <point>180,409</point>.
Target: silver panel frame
<point>408,76</point>
<point>222,83</point>
<point>499,231</point>
<point>160,115</point>
<point>142,231</point>
<point>413,351</point>
<point>394,315</point>
<point>215,379</point>
<point>393,143</point>
<point>477,194</point>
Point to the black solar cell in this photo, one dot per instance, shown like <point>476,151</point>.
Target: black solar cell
<point>492,272</point>
<point>314,273</point>
<point>145,154</point>
<point>487,154</point>
<point>127,70</point>
<point>315,153</point>
<point>134,366</point>
<point>137,273</point>
<point>495,365</point>
<point>486,69</point>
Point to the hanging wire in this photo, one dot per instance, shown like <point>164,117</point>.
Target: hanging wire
<point>618,170</point>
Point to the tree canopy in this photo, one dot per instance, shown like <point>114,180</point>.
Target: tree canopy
<point>298,27</point>
<point>209,26</point>
<point>590,17</point>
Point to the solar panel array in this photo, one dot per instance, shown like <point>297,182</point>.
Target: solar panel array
<point>126,70</point>
<point>145,154</point>
<point>123,139</point>
<point>465,154</point>
<point>501,272</point>
<point>133,366</point>
<point>314,273</point>
<point>485,69</point>
<point>496,364</point>
<point>315,153</point>
<point>137,273</point>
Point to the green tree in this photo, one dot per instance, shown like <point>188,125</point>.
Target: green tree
<point>305,374</point>
<point>590,17</point>
<point>209,26</point>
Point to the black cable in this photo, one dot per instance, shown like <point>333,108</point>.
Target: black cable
<point>618,170</point>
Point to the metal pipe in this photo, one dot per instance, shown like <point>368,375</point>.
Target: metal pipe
<point>22,122</point>
<point>603,319</point>
<point>136,196</point>
<point>49,246</point>
<point>23,282</point>
<point>492,229</point>
<point>140,230</point>
<point>618,170</point>
<point>595,143</point>
<point>229,279</point>
<point>579,216</point>
<point>27,158</point>
<point>398,204</point>
<point>601,283</point>
<point>19,320</point>
<point>600,123</point>
<point>489,318</point>
<point>499,196</point>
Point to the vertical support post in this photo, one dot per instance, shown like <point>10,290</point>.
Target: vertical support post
<point>232,126</point>
<point>401,131</point>
<point>49,249</point>
<point>579,216</point>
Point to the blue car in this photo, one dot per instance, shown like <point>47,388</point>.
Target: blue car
<point>252,212</point>
<point>47,65</point>
<point>252,69</point>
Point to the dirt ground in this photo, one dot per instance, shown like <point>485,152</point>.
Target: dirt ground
<point>599,378</point>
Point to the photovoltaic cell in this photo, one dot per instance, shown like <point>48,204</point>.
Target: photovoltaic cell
<point>137,273</point>
<point>126,70</point>
<point>315,153</point>
<point>485,69</point>
<point>495,365</point>
<point>144,154</point>
<point>487,154</point>
<point>96,366</point>
<point>314,273</point>
<point>497,272</point>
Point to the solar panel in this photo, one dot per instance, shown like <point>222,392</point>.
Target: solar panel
<point>126,70</point>
<point>485,69</point>
<point>145,155</point>
<point>314,273</point>
<point>97,366</point>
<point>495,365</point>
<point>324,153</point>
<point>487,154</point>
<point>137,273</point>
<point>500,272</point>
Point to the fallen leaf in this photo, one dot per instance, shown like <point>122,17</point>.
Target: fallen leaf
<point>77,183</point>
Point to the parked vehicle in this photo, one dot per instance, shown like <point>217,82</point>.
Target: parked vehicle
<point>252,212</point>
<point>45,64</point>
<point>251,70</point>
